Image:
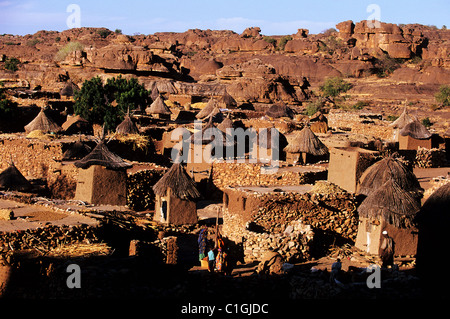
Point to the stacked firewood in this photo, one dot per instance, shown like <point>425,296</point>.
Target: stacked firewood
<point>46,238</point>
<point>335,213</point>
<point>140,194</point>
<point>430,157</point>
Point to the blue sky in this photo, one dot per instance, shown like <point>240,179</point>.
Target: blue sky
<point>278,17</point>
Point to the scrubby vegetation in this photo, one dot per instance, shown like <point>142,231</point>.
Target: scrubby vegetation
<point>443,95</point>
<point>67,49</point>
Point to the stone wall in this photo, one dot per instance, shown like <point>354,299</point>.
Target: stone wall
<point>249,174</point>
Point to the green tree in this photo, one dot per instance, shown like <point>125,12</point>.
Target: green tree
<point>8,109</point>
<point>334,86</point>
<point>443,95</point>
<point>11,64</point>
<point>108,103</point>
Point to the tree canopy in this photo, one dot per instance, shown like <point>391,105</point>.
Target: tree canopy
<point>108,103</point>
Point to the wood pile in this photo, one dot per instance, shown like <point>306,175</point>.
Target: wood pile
<point>329,212</point>
<point>140,195</point>
<point>44,239</point>
<point>427,158</point>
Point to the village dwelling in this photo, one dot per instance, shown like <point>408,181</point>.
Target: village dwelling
<point>347,164</point>
<point>11,179</point>
<point>268,145</point>
<point>159,109</point>
<point>75,124</point>
<point>280,110</point>
<point>392,209</point>
<point>389,167</point>
<point>304,147</point>
<point>414,135</point>
<point>401,122</point>
<point>102,177</point>
<point>76,151</point>
<point>176,194</point>
<point>42,123</point>
<point>127,126</point>
<point>208,109</point>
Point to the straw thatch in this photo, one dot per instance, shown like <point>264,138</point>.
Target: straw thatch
<point>77,150</point>
<point>416,130</point>
<point>227,123</point>
<point>12,179</point>
<point>76,124</point>
<point>127,126</point>
<point>42,123</point>
<point>390,203</point>
<point>180,183</point>
<point>227,101</point>
<point>435,210</point>
<point>389,168</point>
<point>306,141</point>
<point>102,156</point>
<point>69,89</point>
<point>216,115</point>
<point>402,120</point>
<point>318,116</point>
<point>207,110</point>
<point>158,107</point>
<point>280,110</point>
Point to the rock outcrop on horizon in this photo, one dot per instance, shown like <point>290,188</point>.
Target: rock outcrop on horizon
<point>251,67</point>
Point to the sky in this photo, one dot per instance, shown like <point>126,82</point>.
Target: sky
<point>274,17</point>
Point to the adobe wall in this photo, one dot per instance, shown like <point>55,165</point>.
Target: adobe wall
<point>409,143</point>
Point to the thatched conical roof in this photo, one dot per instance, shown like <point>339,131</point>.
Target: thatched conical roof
<point>127,126</point>
<point>77,150</point>
<point>180,183</point>
<point>42,123</point>
<point>76,124</point>
<point>318,116</point>
<point>227,123</point>
<point>12,179</point>
<point>385,169</point>
<point>102,156</point>
<point>390,203</point>
<point>69,89</point>
<point>280,110</point>
<point>416,130</point>
<point>305,141</point>
<point>210,106</point>
<point>402,120</point>
<point>158,107</point>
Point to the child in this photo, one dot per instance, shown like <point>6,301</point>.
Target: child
<point>211,260</point>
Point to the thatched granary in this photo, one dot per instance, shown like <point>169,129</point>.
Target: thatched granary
<point>208,109</point>
<point>127,126</point>
<point>176,194</point>
<point>75,124</point>
<point>304,143</point>
<point>280,110</point>
<point>385,169</point>
<point>13,180</point>
<point>42,123</point>
<point>389,208</point>
<point>414,135</point>
<point>102,177</point>
<point>402,120</point>
<point>159,109</point>
<point>432,221</point>
<point>69,89</point>
<point>76,151</point>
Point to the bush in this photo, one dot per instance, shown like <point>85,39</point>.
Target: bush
<point>11,64</point>
<point>270,40</point>
<point>67,49</point>
<point>334,86</point>
<point>104,32</point>
<point>94,101</point>
<point>8,109</point>
<point>385,65</point>
<point>426,122</point>
<point>283,42</point>
<point>443,95</point>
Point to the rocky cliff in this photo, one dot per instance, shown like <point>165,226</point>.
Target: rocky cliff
<point>388,63</point>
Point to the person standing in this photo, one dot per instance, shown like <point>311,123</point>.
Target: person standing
<point>387,250</point>
<point>211,260</point>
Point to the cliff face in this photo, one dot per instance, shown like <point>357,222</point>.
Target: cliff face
<point>249,66</point>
